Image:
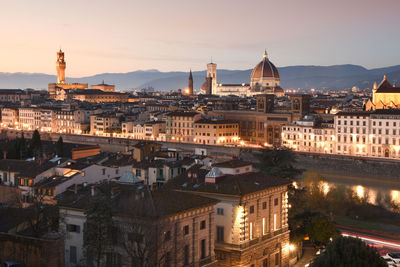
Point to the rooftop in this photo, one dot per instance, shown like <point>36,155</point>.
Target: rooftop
<point>233,185</point>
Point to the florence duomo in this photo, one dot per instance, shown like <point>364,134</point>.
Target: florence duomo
<point>283,150</point>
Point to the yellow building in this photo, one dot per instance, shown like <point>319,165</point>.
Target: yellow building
<point>216,132</point>
<point>180,126</point>
<point>384,96</point>
<point>95,96</point>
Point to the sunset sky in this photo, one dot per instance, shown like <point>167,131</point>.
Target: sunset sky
<point>125,35</point>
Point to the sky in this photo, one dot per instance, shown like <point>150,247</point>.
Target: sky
<point>101,36</point>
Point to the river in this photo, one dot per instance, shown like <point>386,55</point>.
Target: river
<point>364,186</point>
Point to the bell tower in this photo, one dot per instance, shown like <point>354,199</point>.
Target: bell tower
<point>60,66</point>
<point>190,84</point>
<point>212,74</point>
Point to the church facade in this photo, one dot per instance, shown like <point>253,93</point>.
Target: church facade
<point>264,79</point>
<point>384,96</point>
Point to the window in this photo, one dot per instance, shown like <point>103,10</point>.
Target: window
<point>186,230</point>
<point>220,211</point>
<point>103,171</point>
<point>264,205</point>
<point>113,259</point>
<point>251,209</point>
<point>264,230</point>
<point>203,224</point>
<point>83,173</point>
<point>220,233</point>
<point>277,258</point>
<point>167,259</point>
<point>72,254</point>
<point>203,249</point>
<point>138,172</point>
<point>276,202</point>
<point>167,236</point>
<point>186,254</point>
<point>73,228</point>
<point>251,226</point>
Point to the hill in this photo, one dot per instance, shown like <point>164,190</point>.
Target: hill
<point>305,77</point>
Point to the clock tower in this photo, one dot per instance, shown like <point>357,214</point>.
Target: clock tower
<point>60,65</point>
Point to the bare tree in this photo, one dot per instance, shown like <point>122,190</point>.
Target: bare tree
<point>147,237</point>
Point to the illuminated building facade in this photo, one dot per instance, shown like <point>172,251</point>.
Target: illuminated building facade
<point>216,132</point>
<point>180,126</point>
<point>364,134</point>
<point>384,96</point>
<point>251,227</point>
<point>304,135</point>
<point>9,117</point>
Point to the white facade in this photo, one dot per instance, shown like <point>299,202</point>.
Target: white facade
<point>365,134</point>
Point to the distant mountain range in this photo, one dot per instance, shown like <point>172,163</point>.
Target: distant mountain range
<point>305,77</point>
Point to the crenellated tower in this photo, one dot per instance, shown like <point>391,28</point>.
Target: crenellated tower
<point>60,66</point>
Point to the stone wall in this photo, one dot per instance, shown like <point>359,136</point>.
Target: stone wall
<point>32,252</point>
<point>341,165</point>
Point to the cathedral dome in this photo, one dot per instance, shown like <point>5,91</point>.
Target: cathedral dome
<point>264,69</point>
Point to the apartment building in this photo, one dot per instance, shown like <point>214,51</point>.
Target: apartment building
<point>216,132</point>
<point>9,117</point>
<point>64,121</point>
<point>180,126</point>
<point>364,133</point>
<point>251,216</point>
<point>102,124</point>
<point>309,136</point>
<point>178,226</point>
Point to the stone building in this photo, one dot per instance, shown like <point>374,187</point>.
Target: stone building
<point>178,226</point>
<point>9,117</point>
<point>264,79</point>
<point>251,217</point>
<point>362,134</point>
<point>384,96</point>
<point>216,132</point>
<point>180,126</point>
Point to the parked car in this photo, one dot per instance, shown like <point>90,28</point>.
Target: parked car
<point>11,264</point>
<point>389,261</point>
<point>395,256</point>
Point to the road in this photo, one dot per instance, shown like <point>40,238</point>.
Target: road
<point>382,242</point>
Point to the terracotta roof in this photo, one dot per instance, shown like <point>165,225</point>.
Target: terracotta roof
<point>163,202</point>
<point>183,113</point>
<point>234,185</point>
<point>264,69</point>
<point>25,168</point>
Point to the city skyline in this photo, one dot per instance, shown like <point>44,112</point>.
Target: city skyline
<point>125,36</point>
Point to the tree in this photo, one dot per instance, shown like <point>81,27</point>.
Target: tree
<point>142,231</point>
<point>60,147</point>
<point>348,251</point>
<point>278,162</point>
<point>321,230</point>
<point>36,144</point>
<point>22,147</point>
<point>97,234</point>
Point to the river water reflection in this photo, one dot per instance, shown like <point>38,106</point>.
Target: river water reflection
<point>374,190</point>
